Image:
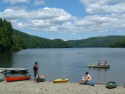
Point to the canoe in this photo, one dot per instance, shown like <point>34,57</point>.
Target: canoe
<point>16,74</point>
<point>61,80</point>
<point>15,71</point>
<point>99,66</point>
<point>17,78</point>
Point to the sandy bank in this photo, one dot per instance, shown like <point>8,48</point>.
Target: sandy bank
<point>31,87</point>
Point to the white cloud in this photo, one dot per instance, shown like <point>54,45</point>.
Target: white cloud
<point>58,20</point>
<point>49,19</point>
<point>16,1</point>
<point>14,14</point>
<point>104,6</point>
<point>33,2</point>
<point>103,16</point>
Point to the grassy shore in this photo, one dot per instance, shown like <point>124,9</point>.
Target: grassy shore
<point>31,87</point>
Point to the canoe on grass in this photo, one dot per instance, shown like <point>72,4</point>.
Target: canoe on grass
<point>17,78</point>
<point>61,80</point>
<point>14,74</point>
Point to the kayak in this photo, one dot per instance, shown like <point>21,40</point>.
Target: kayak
<point>16,78</point>
<point>16,74</point>
<point>111,85</point>
<point>99,66</point>
<point>61,80</point>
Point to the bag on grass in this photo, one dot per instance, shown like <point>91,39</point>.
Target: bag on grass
<point>111,85</point>
<point>40,78</point>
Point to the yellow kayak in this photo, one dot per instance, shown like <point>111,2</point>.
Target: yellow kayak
<point>61,80</point>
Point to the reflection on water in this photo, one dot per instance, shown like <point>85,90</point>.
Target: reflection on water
<point>5,59</point>
<point>100,74</point>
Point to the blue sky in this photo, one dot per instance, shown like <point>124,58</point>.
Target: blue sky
<point>74,7</point>
<point>66,19</point>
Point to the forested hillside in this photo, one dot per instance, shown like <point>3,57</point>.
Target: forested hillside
<point>6,32</point>
<point>23,41</point>
<point>107,41</point>
<point>14,40</point>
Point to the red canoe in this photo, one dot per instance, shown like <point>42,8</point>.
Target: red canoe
<point>17,78</point>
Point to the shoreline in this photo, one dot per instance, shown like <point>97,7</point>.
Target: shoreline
<point>32,87</point>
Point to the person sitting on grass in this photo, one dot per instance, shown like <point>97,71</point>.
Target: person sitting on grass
<point>87,79</point>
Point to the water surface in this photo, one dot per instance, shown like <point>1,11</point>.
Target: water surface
<point>72,62</point>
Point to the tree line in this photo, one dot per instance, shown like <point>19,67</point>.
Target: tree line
<point>14,40</point>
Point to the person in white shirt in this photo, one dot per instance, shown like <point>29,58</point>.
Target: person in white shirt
<point>86,78</point>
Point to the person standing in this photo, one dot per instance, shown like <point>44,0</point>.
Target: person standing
<point>35,70</point>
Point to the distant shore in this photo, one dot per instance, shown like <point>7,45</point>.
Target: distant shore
<point>31,87</point>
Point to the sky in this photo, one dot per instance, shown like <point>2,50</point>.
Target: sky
<point>66,19</point>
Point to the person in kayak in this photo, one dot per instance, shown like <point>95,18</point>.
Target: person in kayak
<point>35,70</point>
<point>87,79</point>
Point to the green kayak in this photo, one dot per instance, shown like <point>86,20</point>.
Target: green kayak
<point>111,85</point>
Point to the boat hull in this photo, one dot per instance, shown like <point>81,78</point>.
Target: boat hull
<point>17,78</point>
<point>61,81</point>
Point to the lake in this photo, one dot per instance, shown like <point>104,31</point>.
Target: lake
<point>70,62</point>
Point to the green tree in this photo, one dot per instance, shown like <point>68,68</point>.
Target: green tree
<point>6,32</point>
